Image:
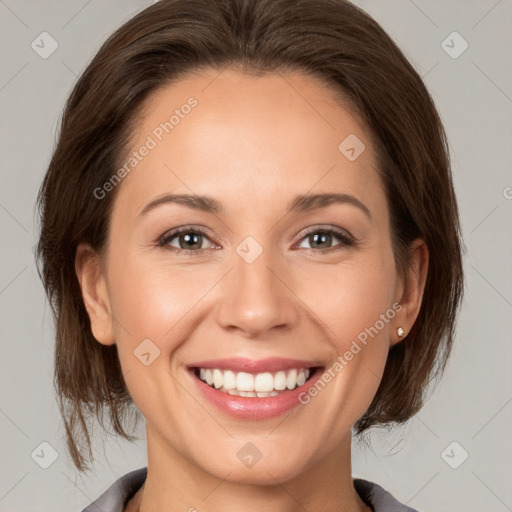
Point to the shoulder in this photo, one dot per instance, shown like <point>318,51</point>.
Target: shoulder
<point>114,499</point>
<point>377,497</point>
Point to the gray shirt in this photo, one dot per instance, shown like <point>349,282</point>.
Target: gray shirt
<point>116,497</point>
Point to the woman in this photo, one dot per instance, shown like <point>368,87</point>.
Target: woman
<point>249,232</point>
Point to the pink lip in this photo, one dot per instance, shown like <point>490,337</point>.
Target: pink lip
<point>255,408</point>
<point>243,364</point>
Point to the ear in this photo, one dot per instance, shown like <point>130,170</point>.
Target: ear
<point>95,293</point>
<point>411,289</point>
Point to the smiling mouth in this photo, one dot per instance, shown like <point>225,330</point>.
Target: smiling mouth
<point>257,385</point>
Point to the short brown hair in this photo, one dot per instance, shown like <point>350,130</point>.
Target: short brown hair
<point>330,39</point>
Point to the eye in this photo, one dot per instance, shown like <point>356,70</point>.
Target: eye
<point>189,240</point>
<point>320,238</point>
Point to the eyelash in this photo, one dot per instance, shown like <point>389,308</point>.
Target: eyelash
<point>347,241</point>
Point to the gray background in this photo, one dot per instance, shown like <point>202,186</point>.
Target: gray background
<point>472,404</point>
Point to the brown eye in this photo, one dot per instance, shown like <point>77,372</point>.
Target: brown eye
<point>189,240</point>
<point>321,239</point>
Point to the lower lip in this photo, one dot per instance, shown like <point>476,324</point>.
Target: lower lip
<point>253,407</point>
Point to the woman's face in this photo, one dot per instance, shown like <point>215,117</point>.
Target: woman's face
<point>253,279</point>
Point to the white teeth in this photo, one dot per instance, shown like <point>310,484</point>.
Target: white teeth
<point>264,382</point>
<point>291,380</point>
<point>245,381</point>
<point>251,385</point>
<point>218,380</point>
<point>229,380</point>
<point>280,381</point>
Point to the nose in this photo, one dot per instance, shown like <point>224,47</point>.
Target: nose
<point>258,297</point>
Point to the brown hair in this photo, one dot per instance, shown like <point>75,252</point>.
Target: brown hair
<point>330,39</point>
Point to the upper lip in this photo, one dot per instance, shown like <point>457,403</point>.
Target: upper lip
<point>243,364</point>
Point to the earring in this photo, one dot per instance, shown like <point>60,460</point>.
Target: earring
<point>400,331</point>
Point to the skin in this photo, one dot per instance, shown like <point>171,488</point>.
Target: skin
<point>253,143</point>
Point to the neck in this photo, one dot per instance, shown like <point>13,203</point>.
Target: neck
<point>176,483</point>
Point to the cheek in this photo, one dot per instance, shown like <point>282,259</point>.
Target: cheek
<point>358,309</point>
<point>151,299</point>
<point>150,304</point>
<point>351,297</point>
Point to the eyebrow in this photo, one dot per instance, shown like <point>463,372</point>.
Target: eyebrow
<point>300,203</point>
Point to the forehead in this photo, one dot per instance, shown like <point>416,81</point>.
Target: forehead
<point>269,136</point>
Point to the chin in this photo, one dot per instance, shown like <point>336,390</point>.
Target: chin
<point>267,470</point>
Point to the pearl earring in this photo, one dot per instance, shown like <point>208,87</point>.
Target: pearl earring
<point>400,331</point>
